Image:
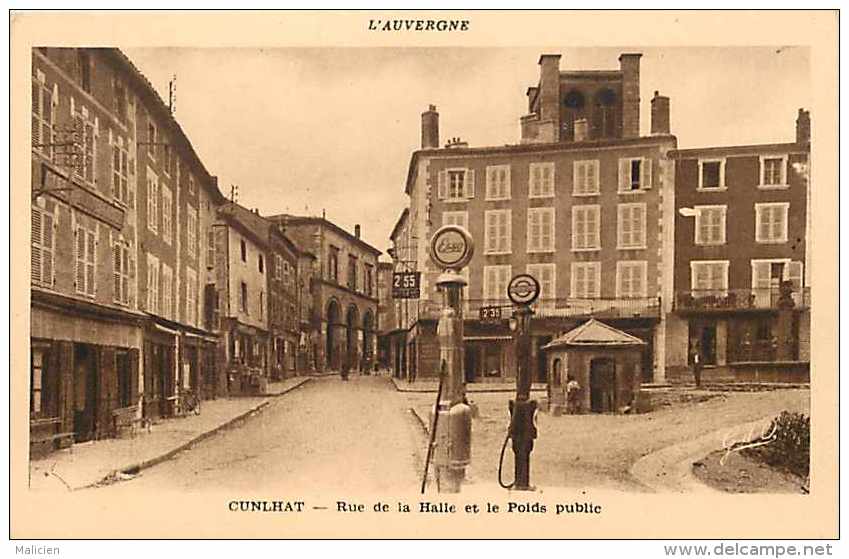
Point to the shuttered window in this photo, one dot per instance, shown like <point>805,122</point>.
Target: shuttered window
<point>631,226</point>
<point>545,274</point>
<point>771,222</point>
<point>585,178</point>
<point>167,291</point>
<point>210,249</point>
<point>497,234</point>
<point>191,297</point>
<point>121,272</point>
<point>85,131</point>
<point>120,171</point>
<point>85,243</point>
<point>498,182</point>
<point>541,180</point>
<point>152,201</point>
<point>586,227</point>
<point>631,279</point>
<point>456,185</point>
<point>43,103</point>
<point>456,218</point>
<point>710,225</point>
<point>43,247</point>
<point>709,277</point>
<point>152,284</point>
<point>495,280</point>
<point>586,281</point>
<point>540,229</point>
<point>166,214</point>
<point>635,174</point>
<point>191,231</point>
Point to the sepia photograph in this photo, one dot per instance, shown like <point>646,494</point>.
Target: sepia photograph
<point>505,283</point>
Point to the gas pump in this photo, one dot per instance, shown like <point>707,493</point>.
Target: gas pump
<point>451,248</point>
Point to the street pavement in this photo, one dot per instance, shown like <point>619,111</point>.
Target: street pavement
<point>329,434</point>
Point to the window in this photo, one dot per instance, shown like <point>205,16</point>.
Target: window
<point>333,264</point>
<point>261,264</point>
<point>456,218</point>
<point>152,284</point>
<point>278,267</point>
<point>120,171</point>
<point>456,185</point>
<point>210,249</point>
<point>152,201</point>
<point>711,174</point>
<point>86,248</point>
<point>191,231</point>
<point>243,248</point>
<point>586,227</point>
<point>540,229</point>
<point>166,158</point>
<point>631,226</point>
<point>261,305</point>
<point>43,247</point>
<point>36,403</point>
<point>767,276</point>
<point>497,182</point>
<point>541,180</point>
<point>774,172</point>
<point>631,279</point>
<point>84,66</point>
<point>191,297</point>
<point>352,271</point>
<point>586,282</point>
<point>243,297</point>
<point>369,279</point>
<point>151,139</point>
<point>771,222</point>
<point>166,214</point>
<point>495,280</point>
<point>87,150</point>
<point>709,277</point>
<point>43,103</point>
<point>497,231</point>
<point>121,271</point>
<point>635,174</point>
<point>191,185</point>
<point>119,99</point>
<point>585,178</point>
<point>545,274</point>
<point>167,291</point>
<point>710,225</point>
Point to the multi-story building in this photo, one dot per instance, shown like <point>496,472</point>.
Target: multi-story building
<point>741,291</point>
<point>386,322</point>
<point>583,203</point>
<point>344,287</point>
<point>308,314</point>
<point>283,299</point>
<point>114,268</point>
<point>404,259</point>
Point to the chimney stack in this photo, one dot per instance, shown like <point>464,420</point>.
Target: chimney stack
<point>430,128</point>
<point>629,64</point>
<point>581,130</point>
<point>549,96</point>
<point>659,114</point>
<point>803,127</point>
<point>357,230</point>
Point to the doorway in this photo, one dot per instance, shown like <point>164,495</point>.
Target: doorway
<point>708,343</point>
<point>602,385</point>
<point>542,362</point>
<point>85,392</point>
<point>122,367</point>
<point>470,362</point>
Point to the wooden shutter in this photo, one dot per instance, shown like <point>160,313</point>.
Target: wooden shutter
<point>579,177</point>
<point>36,112</point>
<point>506,184</point>
<point>547,229</point>
<point>117,263</point>
<point>469,183</point>
<point>442,185</point>
<point>646,173</point>
<point>91,251</point>
<point>36,258</point>
<point>593,176</point>
<point>79,259</point>
<point>624,174</point>
<point>47,248</point>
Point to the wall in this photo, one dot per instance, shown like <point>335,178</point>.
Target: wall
<point>247,272</point>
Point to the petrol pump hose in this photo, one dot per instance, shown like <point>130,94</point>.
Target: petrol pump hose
<point>501,459</point>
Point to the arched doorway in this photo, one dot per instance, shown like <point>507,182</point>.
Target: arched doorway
<point>602,385</point>
<point>368,339</point>
<point>352,323</point>
<point>331,358</point>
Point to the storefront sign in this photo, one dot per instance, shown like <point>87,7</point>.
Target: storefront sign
<point>451,247</point>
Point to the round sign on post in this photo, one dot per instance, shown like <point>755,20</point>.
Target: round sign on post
<point>451,247</point>
<point>523,289</point>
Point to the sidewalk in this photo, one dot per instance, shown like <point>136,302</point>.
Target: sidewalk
<point>479,387</point>
<point>87,464</point>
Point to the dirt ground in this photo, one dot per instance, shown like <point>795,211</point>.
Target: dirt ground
<point>597,451</point>
<point>739,474</point>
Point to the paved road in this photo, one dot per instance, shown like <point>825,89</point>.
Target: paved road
<point>354,436</point>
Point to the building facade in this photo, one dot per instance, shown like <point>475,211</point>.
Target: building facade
<point>344,290</point>
<point>742,298</point>
<point>97,309</point>
<point>583,203</point>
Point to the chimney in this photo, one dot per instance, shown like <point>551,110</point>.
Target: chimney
<point>549,91</point>
<point>357,230</point>
<point>803,127</point>
<point>659,114</point>
<point>629,64</point>
<point>581,129</point>
<point>430,128</point>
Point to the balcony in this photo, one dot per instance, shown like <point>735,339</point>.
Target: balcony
<point>640,307</point>
<point>715,300</point>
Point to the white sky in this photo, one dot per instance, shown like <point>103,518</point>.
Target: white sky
<point>301,130</point>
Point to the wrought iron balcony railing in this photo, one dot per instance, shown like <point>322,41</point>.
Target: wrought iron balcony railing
<point>639,307</point>
<point>738,299</point>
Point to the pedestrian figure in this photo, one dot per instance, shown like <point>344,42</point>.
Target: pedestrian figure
<point>573,395</point>
<point>345,368</point>
<point>697,364</point>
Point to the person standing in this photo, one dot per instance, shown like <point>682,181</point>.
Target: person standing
<point>573,395</point>
<point>697,364</point>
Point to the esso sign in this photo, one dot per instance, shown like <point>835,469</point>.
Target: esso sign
<point>451,247</point>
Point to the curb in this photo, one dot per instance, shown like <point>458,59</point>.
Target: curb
<point>137,467</point>
<point>474,390</point>
<point>422,423</point>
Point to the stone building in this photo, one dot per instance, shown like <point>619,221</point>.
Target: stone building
<point>741,239</point>
<point>583,203</point>
<point>344,290</point>
<point>116,264</point>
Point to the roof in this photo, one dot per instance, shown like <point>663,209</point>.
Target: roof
<point>595,333</point>
<point>752,149</point>
<point>404,213</point>
<point>256,225</point>
<point>532,148</point>
<point>147,91</point>
<point>288,219</point>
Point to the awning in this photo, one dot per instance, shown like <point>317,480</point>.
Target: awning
<point>487,338</point>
